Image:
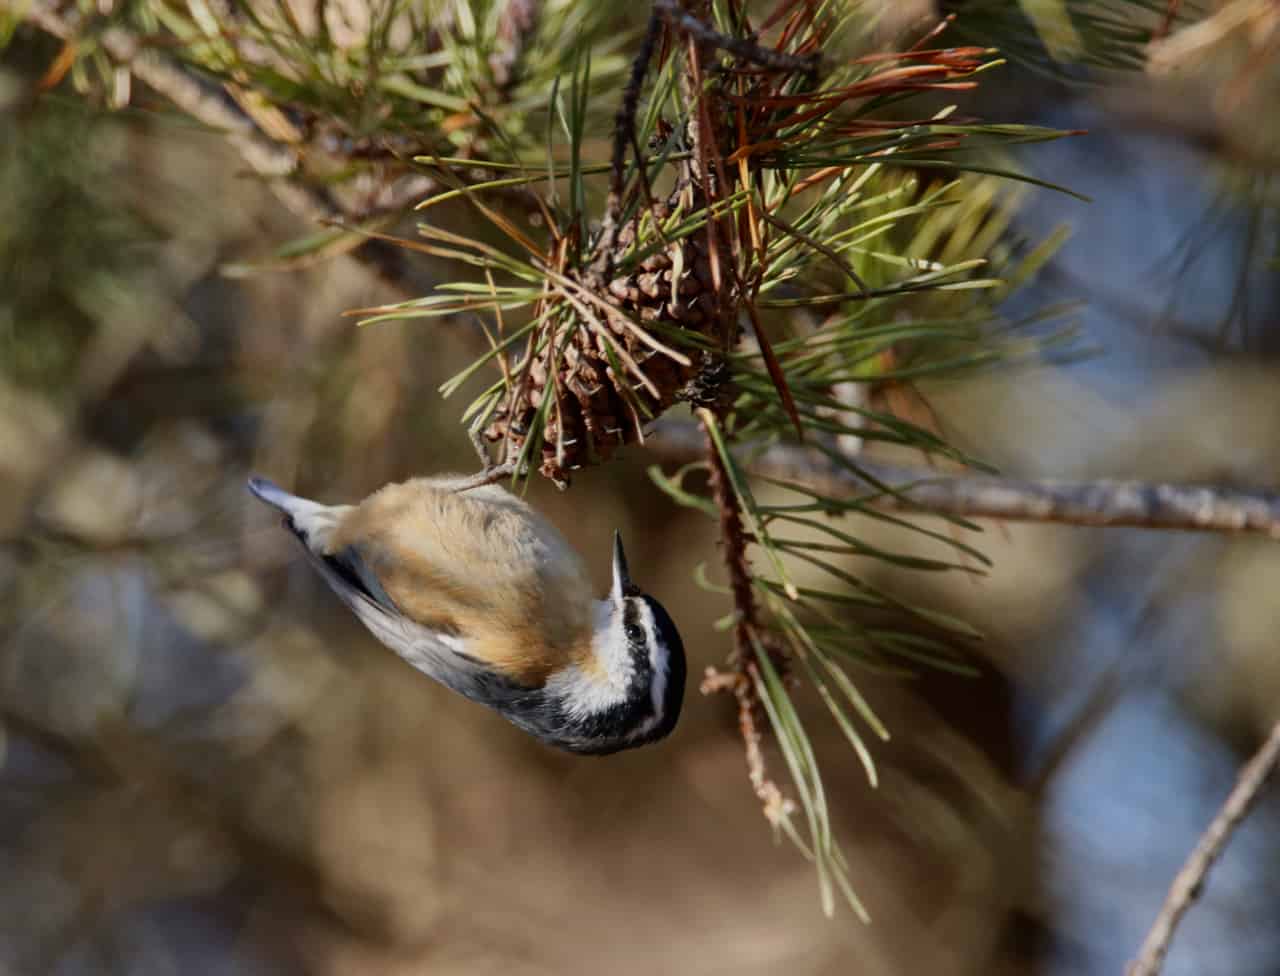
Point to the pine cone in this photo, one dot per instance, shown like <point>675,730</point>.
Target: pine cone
<point>598,406</point>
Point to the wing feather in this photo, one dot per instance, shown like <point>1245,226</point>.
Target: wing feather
<point>351,568</point>
<point>480,568</point>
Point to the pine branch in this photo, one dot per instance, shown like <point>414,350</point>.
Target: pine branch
<point>1190,881</point>
<point>1136,504</point>
<point>743,679</point>
<point>275,161</point>
<point>733,541</point>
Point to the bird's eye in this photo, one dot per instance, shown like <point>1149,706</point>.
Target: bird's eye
<point>634,634</point>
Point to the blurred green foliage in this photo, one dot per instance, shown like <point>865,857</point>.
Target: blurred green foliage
<point>71,248</point>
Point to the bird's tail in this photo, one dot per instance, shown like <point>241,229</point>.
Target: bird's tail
<point>310,521</point>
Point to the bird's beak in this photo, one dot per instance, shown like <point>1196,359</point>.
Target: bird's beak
<point>622,585</point>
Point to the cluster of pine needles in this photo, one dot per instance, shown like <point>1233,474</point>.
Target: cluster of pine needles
<point>779,227</point>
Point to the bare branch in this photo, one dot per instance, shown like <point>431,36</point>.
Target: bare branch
<point>1138,504</point>
<point>1190,881</point>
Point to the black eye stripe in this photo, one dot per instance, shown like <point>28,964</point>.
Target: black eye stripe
<point>631,623</point>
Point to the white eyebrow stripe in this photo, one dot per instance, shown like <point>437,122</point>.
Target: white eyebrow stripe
<point>659,665</point>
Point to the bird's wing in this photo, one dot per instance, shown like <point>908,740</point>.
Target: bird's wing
<point>355,571</point>
<point>351,568</point>
<point>485,573</point>
<point>434,647</point>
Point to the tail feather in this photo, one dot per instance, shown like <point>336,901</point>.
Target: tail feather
<point>271,493</point>
<point>310,521</point>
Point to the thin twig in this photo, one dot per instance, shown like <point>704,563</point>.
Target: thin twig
<point>742,684</point>
<point>490,475</point>
<point>1190,881</point>
<point>1138,504</point>
<point>740,47</point>
<point>624,136</point>
<point>742,680</point>
<point>733,539</point>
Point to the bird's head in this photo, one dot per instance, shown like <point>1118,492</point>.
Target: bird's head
<point>632,690</point>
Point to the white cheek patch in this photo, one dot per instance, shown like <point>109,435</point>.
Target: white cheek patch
<point>582,695</point>
<point>586,693</point>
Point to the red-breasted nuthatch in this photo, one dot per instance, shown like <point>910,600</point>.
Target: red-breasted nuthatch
<point>478,591</point>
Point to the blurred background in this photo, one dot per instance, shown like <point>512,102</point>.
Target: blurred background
<point>207,766</point>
